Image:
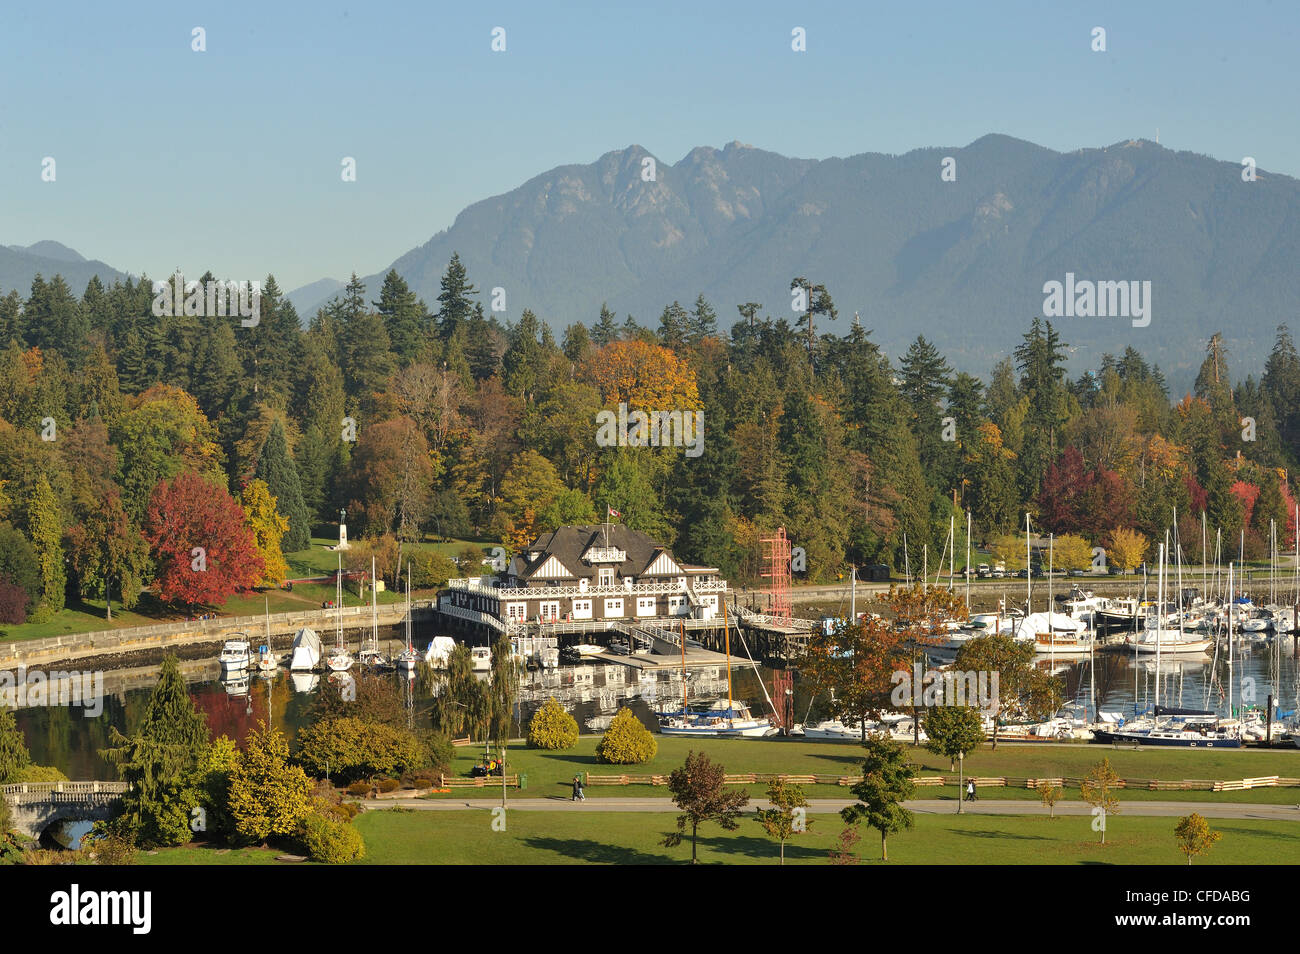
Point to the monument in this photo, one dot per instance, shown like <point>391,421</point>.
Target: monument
<point>343,530</point>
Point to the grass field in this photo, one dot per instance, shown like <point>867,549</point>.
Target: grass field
<point>89,616</point>
<point>551,773</point>
<point>635,838</point>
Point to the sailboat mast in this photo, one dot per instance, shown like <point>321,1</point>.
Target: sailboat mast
<point>374,608</point>
<point>1029,573</point>
<point>726,637</point>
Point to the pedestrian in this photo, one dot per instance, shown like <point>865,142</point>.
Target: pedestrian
<point>578,796</point>
<point>970,790</point>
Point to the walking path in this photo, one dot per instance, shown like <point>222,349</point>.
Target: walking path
<point>825,806</point>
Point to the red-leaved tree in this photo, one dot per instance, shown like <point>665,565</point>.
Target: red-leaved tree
<point>205,551</point>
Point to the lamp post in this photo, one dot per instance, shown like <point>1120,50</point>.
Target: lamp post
<point>961,780</point>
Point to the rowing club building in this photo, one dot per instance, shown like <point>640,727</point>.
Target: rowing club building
<point>587,575</point>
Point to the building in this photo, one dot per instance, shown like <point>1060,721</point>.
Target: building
<point>604,573</point>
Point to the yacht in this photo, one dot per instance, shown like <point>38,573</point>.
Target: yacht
<point>1168,641</point>
<point>409,659</point>
<point>718,719</point>
<point>1185,728</point>
<point>235,655</point>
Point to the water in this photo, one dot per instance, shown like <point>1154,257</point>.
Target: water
<point>593,693</point>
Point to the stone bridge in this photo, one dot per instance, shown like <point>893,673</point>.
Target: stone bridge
<point>36,806</point>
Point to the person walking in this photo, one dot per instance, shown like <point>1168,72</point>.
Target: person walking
<point>578,795</point>
<point>970,790</point>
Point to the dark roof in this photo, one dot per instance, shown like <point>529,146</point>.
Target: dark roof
<point>568,544</point>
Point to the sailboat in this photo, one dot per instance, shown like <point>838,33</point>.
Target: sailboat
<point>372,657</point>
<point>409,658</point>
<point>266,660</point>
<point>732,720</point>
<point>338,658</point>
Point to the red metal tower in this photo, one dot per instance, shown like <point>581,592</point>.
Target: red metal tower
<point>776,552</point>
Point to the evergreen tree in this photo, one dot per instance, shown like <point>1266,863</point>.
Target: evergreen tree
<point>455,306</point>
<point>161,761</point>
<point>605,330</point>
<point>403,317</point>
<point>276,467</point>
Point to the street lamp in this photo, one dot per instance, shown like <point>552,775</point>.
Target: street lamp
<point>961,779</point>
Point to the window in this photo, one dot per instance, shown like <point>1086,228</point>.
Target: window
<point>677,606</point>
<point>645,606</point>
<point>549,612</point>
<point>605,576</point>
<point>613,609</point>
<point>710,601</point>
<point>582,609</point>
<point>517,611</point>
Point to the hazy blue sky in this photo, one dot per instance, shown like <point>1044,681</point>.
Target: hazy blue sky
<point>230,159</point>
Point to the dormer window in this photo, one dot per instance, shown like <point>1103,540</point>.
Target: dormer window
<point>605,576</point>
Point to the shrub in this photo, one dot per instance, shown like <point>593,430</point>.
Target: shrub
<point>352,749</point>
<point>627,741</point>
<point>389,785</point>
<point>441,754</point>
<point>40,773</point>
<point>330,842</point>
<point>552,728</point>
<point>358,788</point>
<point>111,849</point>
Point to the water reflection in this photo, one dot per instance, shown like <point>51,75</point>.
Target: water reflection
<point>593,692</point>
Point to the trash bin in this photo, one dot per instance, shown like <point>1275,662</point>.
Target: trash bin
<point>523,780</point>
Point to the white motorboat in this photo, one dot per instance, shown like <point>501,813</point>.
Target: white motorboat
<point>588,650</point>
<point>235,655</point>
<point>831,729</point>
<point>339,660</point>
<point>439,651</point>
<point>480,658</point>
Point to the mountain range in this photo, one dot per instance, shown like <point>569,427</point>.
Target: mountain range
<point>964,262</point>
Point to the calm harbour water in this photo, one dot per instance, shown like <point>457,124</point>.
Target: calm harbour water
<point>63,737</point>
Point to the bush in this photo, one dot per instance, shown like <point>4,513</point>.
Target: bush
<point>40,773</point>
<point>111,848</point>
<point>352,749</point>
<point>552,728</point>
<point>441,754</point>
<point>358,788</point>
<point>330,842</point>
<point>627,742</point>
<point>389,785</point>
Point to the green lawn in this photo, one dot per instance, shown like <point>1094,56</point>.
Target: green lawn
<point>551,773</point>
<point>467,837</point>
<point>89,616</point>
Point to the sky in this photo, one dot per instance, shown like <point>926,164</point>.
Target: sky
<point>231,158</point>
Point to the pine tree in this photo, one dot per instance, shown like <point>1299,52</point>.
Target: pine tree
<point>403,317</point>
<point>276,467</point>
<point>605,329</point>
<point>454,302</point>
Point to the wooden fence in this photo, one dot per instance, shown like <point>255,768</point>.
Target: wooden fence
<point>994,781</point>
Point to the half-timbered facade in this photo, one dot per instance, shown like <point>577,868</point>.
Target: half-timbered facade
<point>600,573</point>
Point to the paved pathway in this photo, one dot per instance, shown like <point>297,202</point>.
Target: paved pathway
<point>823,806</point>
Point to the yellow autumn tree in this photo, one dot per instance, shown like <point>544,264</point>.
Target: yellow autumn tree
<point>1127,549</point>
<point>645,376</point>
<point>1071,552</point>
<point>269,528</point>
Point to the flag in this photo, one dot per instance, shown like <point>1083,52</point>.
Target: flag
<point>612,511</point>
